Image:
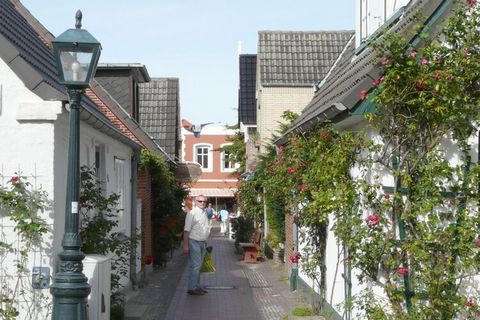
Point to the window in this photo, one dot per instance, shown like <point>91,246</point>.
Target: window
<point>374,14</point>
<point>228,163</point>
<point>120,191</point>
<point>203,156</point>
<point>100,171</point>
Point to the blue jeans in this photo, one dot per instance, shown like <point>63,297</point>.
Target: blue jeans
<point>196,254</point>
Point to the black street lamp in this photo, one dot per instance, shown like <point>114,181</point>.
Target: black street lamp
<point>76,54</point>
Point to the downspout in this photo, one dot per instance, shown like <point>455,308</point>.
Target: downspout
<point>401,230</point>
<point>294,271</point>
<point>347,276</point>
<point>133,222</point>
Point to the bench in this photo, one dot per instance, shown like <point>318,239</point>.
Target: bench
<point>250,249</point>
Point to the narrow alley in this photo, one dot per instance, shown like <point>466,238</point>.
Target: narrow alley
<point>236,291</point>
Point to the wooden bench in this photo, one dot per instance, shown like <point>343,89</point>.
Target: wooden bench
<point>250,249</point>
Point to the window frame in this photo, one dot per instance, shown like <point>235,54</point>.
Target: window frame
<point>233,165</point>
<point>209,147</point>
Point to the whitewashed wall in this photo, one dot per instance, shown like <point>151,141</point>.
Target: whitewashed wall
<point>34,143</point>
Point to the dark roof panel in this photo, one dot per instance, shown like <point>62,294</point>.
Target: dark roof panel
<point>247,111</point>
<point>160,112</point>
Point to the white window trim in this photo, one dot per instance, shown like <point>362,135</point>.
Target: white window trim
<point>210,156</point>
<point>222,160</point>
<point>121,215</point>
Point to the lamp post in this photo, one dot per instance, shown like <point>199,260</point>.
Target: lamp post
<point>76,54</point>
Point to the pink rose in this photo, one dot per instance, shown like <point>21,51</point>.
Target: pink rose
<point>413,54</point>
<point>471,2</point>
<point>303,186</point>
<point>372,220</point>
<point>402,271</point>
<point>477,242</point>
<point>363,94</point>
<point>325,135</point>
<point>384,62</point>
<point>14,179</point>
<point>290,170</point>
<point>436,75</point>
<point>423,61</point>
<point>387,196</point>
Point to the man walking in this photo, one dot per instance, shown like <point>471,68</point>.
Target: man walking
<point>195,234</point>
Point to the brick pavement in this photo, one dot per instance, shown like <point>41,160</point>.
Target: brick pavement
<point>236,291</point>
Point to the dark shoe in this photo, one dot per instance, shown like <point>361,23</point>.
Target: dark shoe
<point>196,292</point>
<point>203,290</point>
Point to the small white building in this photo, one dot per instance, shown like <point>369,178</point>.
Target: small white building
<point>34,124</point>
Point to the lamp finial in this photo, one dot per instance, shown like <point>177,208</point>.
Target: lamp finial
<point>78,19</point>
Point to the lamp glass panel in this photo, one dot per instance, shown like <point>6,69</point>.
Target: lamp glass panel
<point>75,64</point>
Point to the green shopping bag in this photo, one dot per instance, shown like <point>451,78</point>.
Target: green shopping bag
<point>207,265</point>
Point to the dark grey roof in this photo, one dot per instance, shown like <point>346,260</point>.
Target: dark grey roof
<point>292,58</point>
<point>340,91</point>
<point>160,112</point>
<point>247,109</point>
<point>28,55</point>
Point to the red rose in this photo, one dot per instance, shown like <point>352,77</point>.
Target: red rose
<point>149,260</point>
<point>387,196</point>
<point>477,242</point>
<point>295,257</point>
<point>325,135</point>
<point>14,179</point>
<point>471,2</point>
<point>470,303</point>
<point>420,85</point>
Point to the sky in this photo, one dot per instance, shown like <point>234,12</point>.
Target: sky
<point>196,41</point>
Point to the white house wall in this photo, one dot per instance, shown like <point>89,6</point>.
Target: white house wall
<point>34,143</point>
<point>27,149</point>
<point>89,138</point>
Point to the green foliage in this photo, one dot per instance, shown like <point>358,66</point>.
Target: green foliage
<point>236,150</point>
<point>22,206</point>
<point>242,228</point>
<point>419,242</point>
<point>167,214</point>
<point>302,312</point>
<point>99,219</point>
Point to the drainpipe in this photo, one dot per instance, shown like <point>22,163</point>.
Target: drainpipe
<point>401,230</point>
<point>347,276</point>
<point>294,271</point>
<point>133,222</point>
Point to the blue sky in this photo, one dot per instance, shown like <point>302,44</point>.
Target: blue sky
<point>194,40</point>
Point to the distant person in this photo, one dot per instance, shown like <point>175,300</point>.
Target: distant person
<point>195,234</point>
<point>223,221</point>
<point>210,211</point>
